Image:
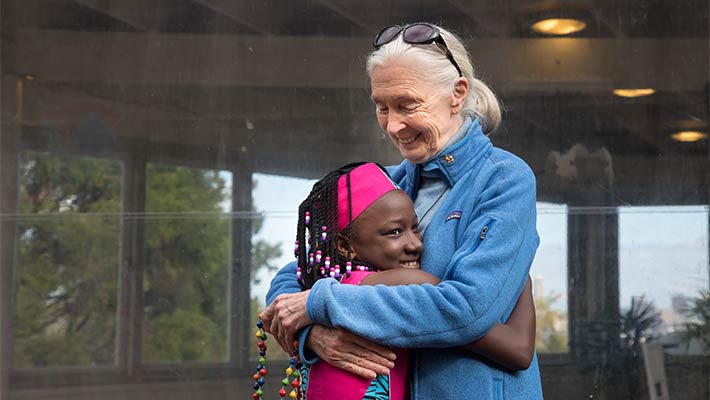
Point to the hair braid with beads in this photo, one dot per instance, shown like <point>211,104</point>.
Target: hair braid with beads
<point>318,210</point>
<point>317,231</point>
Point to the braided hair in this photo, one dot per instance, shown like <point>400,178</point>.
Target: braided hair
<point>318,232</point>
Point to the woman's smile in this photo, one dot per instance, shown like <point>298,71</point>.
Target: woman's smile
<point>417,117</point>
<point>409,140</point>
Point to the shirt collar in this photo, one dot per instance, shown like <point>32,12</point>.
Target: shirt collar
<point>467,146</point>
<point>430,166</point>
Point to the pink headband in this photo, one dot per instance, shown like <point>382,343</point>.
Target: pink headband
<point>367,184</point>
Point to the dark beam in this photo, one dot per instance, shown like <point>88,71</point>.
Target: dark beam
<point>513,65</point>
<point>252,14</point>
<point>343,10</point>
<point>136,14</point>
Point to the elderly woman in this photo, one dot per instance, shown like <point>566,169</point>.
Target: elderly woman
<point>476,209</point>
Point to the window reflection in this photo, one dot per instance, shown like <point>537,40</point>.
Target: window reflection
<point>66,284</point>
<point>666,277</point>
<point>185,280</point>
<point>130,255</point>
<point>549,274</point>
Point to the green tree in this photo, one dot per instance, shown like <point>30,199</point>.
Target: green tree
<point>66,285</point>
<point>186,266</point>
<point>549,337</point>
<point>65,300</point>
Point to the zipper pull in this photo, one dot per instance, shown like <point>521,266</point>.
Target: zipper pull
<point>483,232</point>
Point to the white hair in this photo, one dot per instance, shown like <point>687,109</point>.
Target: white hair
<point>480,101</point>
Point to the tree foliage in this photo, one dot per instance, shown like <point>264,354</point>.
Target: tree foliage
<point>550,337</point>
<point>65,299</point>
<point>68,255</point>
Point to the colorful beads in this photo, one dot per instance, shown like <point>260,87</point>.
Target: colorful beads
<point>308,218</point>
<point>324,233</point>
<point>292,378</point>
<point>328,268</point>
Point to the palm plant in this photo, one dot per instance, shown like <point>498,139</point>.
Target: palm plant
<point>698,326</point>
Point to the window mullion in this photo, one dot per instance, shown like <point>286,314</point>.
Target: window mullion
<point>240,267</point>
<point>8,243</point>
<point>131,262</point>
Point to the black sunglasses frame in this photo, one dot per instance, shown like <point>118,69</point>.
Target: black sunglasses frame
<point>433,37</point>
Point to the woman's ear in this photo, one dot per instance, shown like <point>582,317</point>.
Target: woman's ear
<point>459,95</point>
<point>343,247</point>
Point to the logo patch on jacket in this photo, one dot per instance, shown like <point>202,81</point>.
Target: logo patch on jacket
<point>453,215</point>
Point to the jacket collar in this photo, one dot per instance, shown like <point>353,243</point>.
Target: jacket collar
<point>455,160</point>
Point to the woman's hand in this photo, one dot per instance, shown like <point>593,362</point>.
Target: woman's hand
<point>350,352</point>
<point>285,316</point>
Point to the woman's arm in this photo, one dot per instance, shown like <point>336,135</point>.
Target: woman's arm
<point>511,344</point>
<point>284,282</point>
<point>481,278</point>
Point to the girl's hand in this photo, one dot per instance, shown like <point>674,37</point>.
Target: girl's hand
<point>285,316</point>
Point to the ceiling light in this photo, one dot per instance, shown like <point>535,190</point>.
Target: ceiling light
<point>689,136</point>
<point>558,26</point>
<point>634,92</point>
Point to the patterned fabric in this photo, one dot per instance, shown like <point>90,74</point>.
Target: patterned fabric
<point>304,379</point>
<point>379,389</point>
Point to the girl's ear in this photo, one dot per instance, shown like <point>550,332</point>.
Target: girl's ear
<point>343,247</point>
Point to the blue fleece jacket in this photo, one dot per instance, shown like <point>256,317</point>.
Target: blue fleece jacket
<point>481,243</point>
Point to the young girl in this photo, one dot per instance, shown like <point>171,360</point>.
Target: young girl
<point>357,226</point>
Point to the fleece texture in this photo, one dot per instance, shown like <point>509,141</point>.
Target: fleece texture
<point>481,242</point>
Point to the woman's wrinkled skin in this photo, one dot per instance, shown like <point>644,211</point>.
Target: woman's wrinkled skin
<point>418,117</point>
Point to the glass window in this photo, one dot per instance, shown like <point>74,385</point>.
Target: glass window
<point>549,275</point>
<point>153,154</point>
<point>186,274</point>
<point>663,273</point>
<point>67,259</point>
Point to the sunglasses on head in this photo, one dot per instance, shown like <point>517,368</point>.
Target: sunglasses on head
<point>419,33</point>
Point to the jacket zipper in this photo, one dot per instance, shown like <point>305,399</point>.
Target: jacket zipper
<point>483,232</point>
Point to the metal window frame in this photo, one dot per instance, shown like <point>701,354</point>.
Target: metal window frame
<point>128,367</point>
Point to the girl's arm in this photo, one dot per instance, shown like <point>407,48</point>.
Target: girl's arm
<point>511,345</point>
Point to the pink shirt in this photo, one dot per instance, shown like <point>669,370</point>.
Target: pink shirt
<point>326,382</point>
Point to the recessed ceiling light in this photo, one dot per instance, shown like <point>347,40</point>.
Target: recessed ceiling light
<point>689,136</point>
<point>640,92</point>
<point>558,26</point>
